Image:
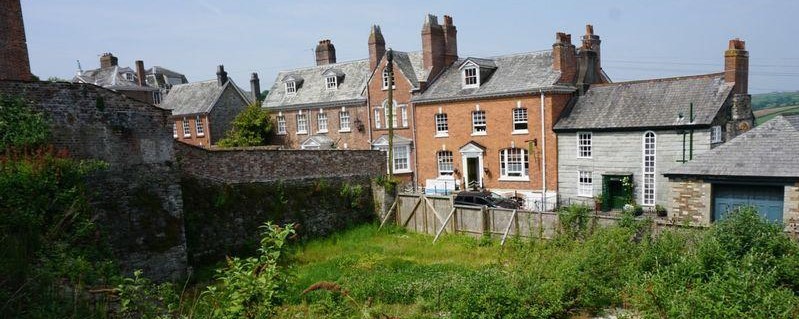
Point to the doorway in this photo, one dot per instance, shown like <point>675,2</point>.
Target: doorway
<point>615,194</point>
<point>472,173</point>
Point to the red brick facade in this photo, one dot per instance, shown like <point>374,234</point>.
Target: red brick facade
<point>201,137</point>
<point>14,62</point>
<point>354,137</point>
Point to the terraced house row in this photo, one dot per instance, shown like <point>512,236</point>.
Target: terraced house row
<point>541,124</point>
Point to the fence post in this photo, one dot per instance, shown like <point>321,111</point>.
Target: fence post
<point>484,214</point>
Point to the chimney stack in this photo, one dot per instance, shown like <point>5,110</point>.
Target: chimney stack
<point>141,77</point>
<point>433,46</point>
<point>450,41</point>
<point>592,42</point>
<point>736,66</point>
<point>325,53</point>
<point>255,87</point>
<point>14,61</point>
<point>564,57</point>
<point>377,46</point>
<point>221,75</point>
<point>108,60</point>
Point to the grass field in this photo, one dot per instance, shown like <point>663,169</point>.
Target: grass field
<point>761,116</point>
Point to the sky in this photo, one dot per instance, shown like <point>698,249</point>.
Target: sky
<point>640,39</point>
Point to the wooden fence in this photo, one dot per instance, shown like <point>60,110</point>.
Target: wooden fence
<point>435,215</point>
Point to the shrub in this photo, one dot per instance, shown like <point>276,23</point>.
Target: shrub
<point>252,127</point>
<point>573,220</point>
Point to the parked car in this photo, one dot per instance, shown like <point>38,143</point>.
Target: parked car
<point>485,198</point>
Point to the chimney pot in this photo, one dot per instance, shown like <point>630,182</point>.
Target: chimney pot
<point>736,66</point>
<point>108,60</point>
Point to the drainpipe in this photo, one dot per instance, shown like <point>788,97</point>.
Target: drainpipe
<point>543,156</point>
<point>415,153</point>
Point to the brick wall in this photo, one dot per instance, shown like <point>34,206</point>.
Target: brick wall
<point>258,164</point>
<point>691,201</point>
<point>499,135</point>
<point>14,63</point>
<point>137,200</point>
<point>354,139</point>
<point>192,138</point>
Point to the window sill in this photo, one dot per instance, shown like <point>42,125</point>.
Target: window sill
<point>302,133</point>
<point>402,171</point>
<point>321,132</point>
<point>284,133</point>
<point>585,196</point>
<point>393,87</point>
<point>201,135</point>
<point>479,133</point>
<point>175,136</point>
<point>513,179</point>
<point>519,132</point>
<point>186,135</point>
<point>345,131</point>
<point>582,157</point>
<point>442,135</point>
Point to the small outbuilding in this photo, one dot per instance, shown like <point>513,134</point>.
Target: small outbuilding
<point>758,168</point>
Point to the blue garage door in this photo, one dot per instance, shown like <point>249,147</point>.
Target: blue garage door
<point>767,200</point>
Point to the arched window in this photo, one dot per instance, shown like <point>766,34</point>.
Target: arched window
<point>445,163</point>
<point>648,191</point>
<point>513,162</point>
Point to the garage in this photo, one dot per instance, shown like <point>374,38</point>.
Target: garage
<point>767,199</point>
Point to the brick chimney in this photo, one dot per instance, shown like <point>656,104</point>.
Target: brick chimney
<point>325,53</point>
<point>377,46</point>
<point>141,78</point>
<point>450,41</point>
<point>221,75</point>
<point>564,57</point>
<point>592,42</point>
<point>14,61</point>
<point>255,87</point>
<point>108,60</point>
<point>433,46</point>
<point>736,66</point>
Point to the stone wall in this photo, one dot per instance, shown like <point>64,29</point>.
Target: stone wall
<point>229,105</point>
<point>229,193</point>
<point>259,164</point>
<point>690,201</point>
<point>791,211</point>
<point>137,199</point>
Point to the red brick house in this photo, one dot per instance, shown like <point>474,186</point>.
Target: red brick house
<point>487,122</point>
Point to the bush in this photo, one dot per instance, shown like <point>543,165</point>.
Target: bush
<point>573,220</point>
<point>252,127</point>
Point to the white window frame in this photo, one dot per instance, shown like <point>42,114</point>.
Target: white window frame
<point>471,80</point>
<point>404,112</point>
<point>291,88</point>
<point>402,164</point>
<point>507,171</point>
<point>321,122</point>
<point>186,128</point>
<point>395,114</point>
<point>281,125</point>
<point>649,156</point>
<point>585,184</point>
<point>378,110</point>
<point>156,97</point>
<point>585,142</point>
<point>331,83</point>
<point>442,127</point>
<point>175,129</point>
<point>302,123</point>
<point>385,80</point>
<point>198,126</point>
<point>715,134</point>
<point>344,121</point>
<point>519,118</point>
<point>479,123</point>
<point>446,166</point>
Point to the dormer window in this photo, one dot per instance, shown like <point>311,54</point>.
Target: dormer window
<point>475,72</point>
<point>291,88</point>
<point>331,83</point>
<point>130,77</point>
<point>470,78</point>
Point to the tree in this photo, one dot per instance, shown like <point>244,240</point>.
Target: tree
<point>252,127</point>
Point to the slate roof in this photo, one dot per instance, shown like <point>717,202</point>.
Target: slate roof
<point>111,78</point>
<point>322,141</point>
<point>412,66</point>
<point>514,74</point>
<point>313,91</point>
<point>197,97</point>
<point>163,76</point>
<point>768,150</point>
<point>647,104</point>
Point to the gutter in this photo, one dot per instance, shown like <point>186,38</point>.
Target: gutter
<point>549,89</point>
<point>357,102</point>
